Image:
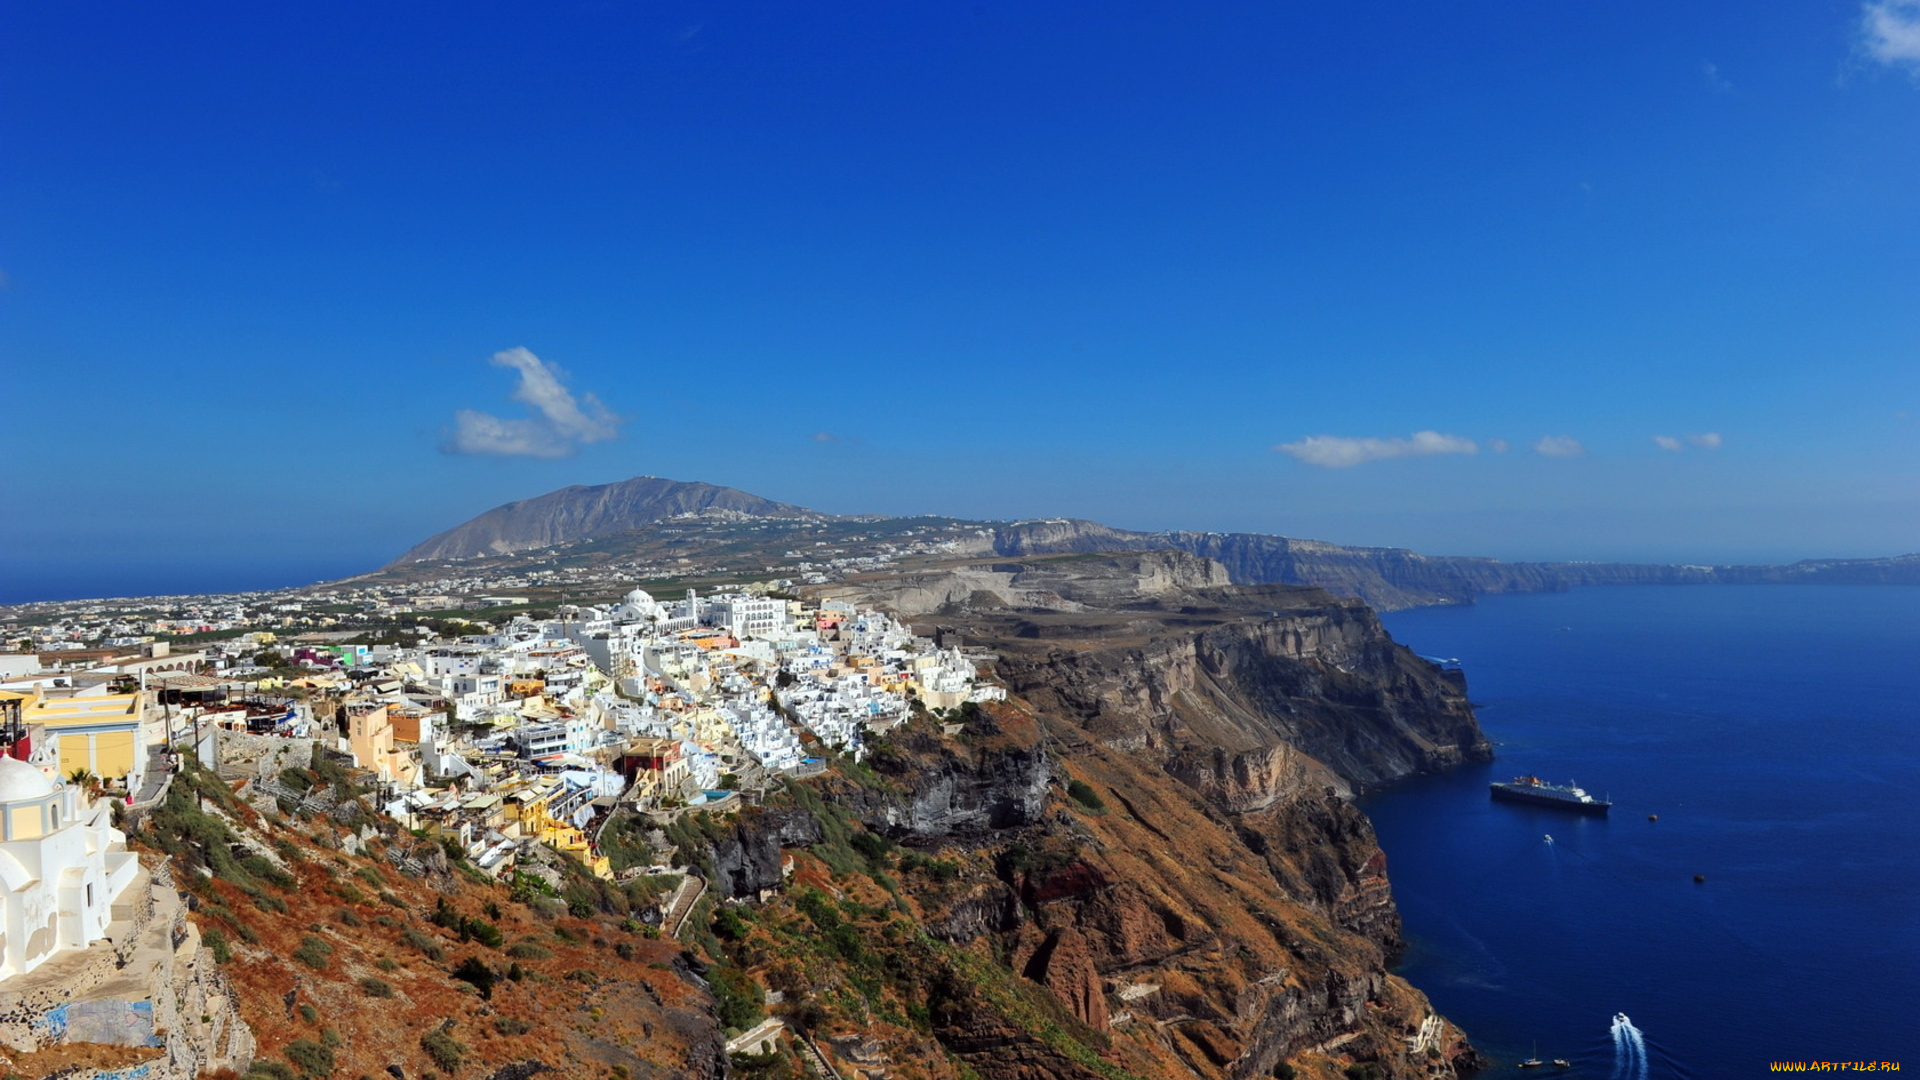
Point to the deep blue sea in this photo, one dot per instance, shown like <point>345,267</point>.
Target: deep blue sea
<point>1775,730</point>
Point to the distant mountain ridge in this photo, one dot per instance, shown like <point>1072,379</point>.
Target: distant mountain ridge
<point>584,512</point>
<point>1387,578</point>
<point>1390,578</point>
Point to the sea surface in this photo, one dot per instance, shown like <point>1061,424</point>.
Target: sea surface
<point>1775,730</point>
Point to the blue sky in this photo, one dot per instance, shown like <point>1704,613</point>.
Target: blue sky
<point>1300,268</point>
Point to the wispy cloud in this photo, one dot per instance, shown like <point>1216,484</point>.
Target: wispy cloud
<point>1558,446</point>
<point>1715,81</point>
<point>1890,32</point>
<point>1499,446</point>
<point>1707,440</point>
<point>1337,452</point>
<point>560,426</point>
<point>824,436</point>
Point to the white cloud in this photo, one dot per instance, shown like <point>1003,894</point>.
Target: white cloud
<point>1558,446</point>
<point>1498,446</point>
<point>1709,440</point>
<point>1890,32</point>
<point>1715,81</point>
<point>1336,452</point>
<point>562,425</point>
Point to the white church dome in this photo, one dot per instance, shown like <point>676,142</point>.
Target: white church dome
<point>20,781</point>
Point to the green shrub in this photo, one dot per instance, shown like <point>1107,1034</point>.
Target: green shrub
<point>427,947</point>
<point>314,952</point>
<point>310,1057</point>
<point>484,932</point>
<point>527,950</point>
<point>270,1070</point>
<point>507,1025</point>
<point>444,1050</point>
<point>737,999</point>
<point>1083,793</point>
<point>376,988</point>
<point>729,926</point>
<point>216,943</point>
<point>310,1014</point>
<point>475,970</point>
<point>261,867</point>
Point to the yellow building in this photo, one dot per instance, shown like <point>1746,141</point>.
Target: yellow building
<point>99,733</point>
<point>531,807</point>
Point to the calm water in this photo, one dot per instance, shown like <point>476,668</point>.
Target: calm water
<point>1776,733</point>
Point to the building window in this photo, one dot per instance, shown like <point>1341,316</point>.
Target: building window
<point>89,894</point>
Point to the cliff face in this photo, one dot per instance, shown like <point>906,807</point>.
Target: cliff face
<point>584,513</point>
<point>1248,709</point>
<point>1140,929</point>
<point>1204,903</point>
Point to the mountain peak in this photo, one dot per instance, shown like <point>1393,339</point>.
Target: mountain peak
<point>588,511</point>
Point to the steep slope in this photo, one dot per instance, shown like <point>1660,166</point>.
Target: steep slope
<point>1140,865</point>
<point>356,949</point>
<point>584,513</point>
<point>1016,901</point>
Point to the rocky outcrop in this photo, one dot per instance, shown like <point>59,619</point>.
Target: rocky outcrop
<point>1063,964</point>
<point>750,860</point>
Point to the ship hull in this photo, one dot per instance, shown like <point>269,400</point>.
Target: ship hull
<point>1521,795</point>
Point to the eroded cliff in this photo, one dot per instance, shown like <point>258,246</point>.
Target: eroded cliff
<point>1141,864</point>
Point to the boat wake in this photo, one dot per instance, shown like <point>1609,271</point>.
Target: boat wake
<point>1629,1050</point>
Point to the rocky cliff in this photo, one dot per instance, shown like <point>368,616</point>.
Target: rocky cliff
<point>1140,865</point>
<point>954,911</point>
<point>1157,653</point>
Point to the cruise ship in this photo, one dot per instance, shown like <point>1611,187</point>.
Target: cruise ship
<point>1532,789</point>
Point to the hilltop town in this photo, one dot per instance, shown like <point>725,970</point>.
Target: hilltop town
<point>533,730</point>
